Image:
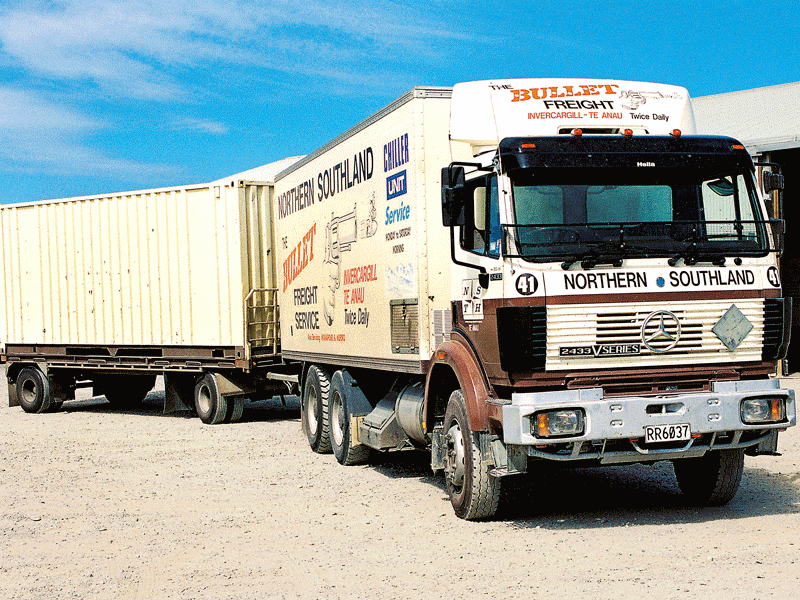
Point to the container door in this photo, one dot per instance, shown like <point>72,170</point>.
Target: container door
<point>262,329</point>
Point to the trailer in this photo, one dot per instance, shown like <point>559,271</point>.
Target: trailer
<point>110,291</point>
<point>501,274</point>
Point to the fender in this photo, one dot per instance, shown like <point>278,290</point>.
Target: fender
<point>457,355</point>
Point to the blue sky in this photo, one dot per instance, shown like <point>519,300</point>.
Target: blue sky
<point>109,95</point>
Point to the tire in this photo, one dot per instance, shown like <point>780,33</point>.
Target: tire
<point>127,391</point>
<point>235,410</point>
<point>340,421</point>
<point>211,405</point>
<point>712,479</point>
<point>33,391</point>
<point>314,415</point>
<point>473,492</point>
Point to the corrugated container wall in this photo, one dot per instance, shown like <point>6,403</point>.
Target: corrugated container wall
<point>151,268</point>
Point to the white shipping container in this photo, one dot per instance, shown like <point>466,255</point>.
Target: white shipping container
<point>161,267</point>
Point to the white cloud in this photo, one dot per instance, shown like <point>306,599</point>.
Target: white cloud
<point>160,54</point>
<point>37,135</point>
<point>24,113</point>
<point>135,48</point>
<point>200,125</point>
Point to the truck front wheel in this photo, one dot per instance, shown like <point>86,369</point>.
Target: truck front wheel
<point>473,492</point>
<point>712,479</point>
<point>33,391</point>
<point>314,415</point>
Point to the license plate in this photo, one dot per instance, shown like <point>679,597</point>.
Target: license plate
<point>678,432</point>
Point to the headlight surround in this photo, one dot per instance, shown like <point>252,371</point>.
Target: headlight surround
<point>763,410</point>
<point>564,422</point>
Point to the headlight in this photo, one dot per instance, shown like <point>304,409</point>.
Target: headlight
<point>763,410</point>
<point>558,423</point>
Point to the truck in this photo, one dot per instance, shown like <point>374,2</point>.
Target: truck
<point>503,274</point>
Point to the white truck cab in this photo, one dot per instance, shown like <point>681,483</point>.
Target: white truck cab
<point>617,280</point>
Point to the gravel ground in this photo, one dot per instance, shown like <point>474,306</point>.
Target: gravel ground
<point>108,504</point>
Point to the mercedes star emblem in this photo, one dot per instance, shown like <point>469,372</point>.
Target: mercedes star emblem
<point>664,322</point>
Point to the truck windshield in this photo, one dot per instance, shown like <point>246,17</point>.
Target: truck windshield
<point>666,213</point>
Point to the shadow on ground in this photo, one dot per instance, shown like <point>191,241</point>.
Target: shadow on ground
<point>552,496</point>
<point>272,409</point>
<point>558,496</point>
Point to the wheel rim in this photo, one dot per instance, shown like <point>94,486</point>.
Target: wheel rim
<point>29,391</point>
<point>204,399</point>
<point>337,419</point>
<point>312,417</point>
<point>455,456</point>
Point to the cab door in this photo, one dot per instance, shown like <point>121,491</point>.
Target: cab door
<point>479,243</point>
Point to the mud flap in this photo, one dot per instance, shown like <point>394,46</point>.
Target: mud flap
<point>62,388</point>
<point>768,446</point>
<point>508,460</point>
<point>355,431</point>
<point>179,392</point>
<point>13,400</point>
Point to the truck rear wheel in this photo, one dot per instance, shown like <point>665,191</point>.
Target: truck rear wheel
<point>712,479</point>
<point>314,413</point>
<point>473,492</point>
<point>33,391</point>
<point>340,431</point>
<point>211,405</point>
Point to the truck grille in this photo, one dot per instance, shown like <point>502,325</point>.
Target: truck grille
<point>777,313</point>
<point>620,325</point>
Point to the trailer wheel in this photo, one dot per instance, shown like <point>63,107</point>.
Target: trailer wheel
<point>340,433</point>
<point>212,406</point>
<point>33,391</point>
<point>314,414</point>
<point>473,492</point>
<point>712,479</point>
<point>235,410</point>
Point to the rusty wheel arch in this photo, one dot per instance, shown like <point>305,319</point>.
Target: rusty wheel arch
<point>455,366</point>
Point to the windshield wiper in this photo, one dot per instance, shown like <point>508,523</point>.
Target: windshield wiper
<point>607,253</point>
<point>691,256</point>
<point>593,257</point>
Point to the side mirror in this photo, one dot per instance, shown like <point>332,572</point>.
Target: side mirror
<point>452,196</point>
<point>771,181</point>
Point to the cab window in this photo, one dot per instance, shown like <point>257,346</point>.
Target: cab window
<point>482,233</point>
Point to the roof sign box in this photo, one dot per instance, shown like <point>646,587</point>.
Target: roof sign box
<point>485,112</point>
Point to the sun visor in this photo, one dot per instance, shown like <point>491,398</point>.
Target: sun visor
<point>484,112</point>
